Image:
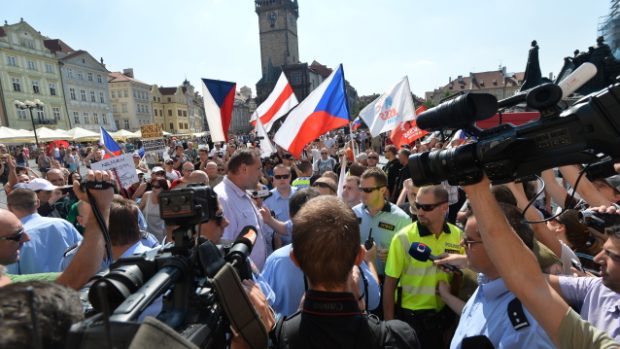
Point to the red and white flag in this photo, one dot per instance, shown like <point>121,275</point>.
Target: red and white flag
<point>280,101</point>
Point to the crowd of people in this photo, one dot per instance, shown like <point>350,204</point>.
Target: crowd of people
<point>513,265</point>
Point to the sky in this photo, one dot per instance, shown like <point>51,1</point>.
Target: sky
<point>378,42</point>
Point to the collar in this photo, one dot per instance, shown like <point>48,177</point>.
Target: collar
<point>387,207</point>
<point>424,231</point>
<point>30,217</point>
<point>238,191</point>
<point>330,304</point>
<point>138,247</point>
<point>276,194</point>
<point>491,289</point>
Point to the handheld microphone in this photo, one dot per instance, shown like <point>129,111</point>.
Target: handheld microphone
<point>422,253</point>
<point>577,78</point>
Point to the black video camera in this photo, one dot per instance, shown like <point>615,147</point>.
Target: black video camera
<point>601,222</point>
<point>506,152</point>
<point>197,282</point>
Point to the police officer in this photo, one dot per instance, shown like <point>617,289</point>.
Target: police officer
<point>418,303</point>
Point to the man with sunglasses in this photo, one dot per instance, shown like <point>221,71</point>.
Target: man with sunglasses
<point>12,237</point>
<point>278,202</point>
<point>417,302</point>
<point>379,219</point>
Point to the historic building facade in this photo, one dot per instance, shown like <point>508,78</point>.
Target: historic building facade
<point>131,100</point>
<point>28,71</point>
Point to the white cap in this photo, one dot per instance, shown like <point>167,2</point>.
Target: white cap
<point>157,169</point>
<point>41,184</point>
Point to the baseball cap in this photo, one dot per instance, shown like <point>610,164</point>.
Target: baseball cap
<point>40,184</point>
<point>136,155</point>
<point>157,169</point>
<point>327,181</point>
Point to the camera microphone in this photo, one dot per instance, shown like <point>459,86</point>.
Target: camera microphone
<point>423,253</point>
<point>577,78</point>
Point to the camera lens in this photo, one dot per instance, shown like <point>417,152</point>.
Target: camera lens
<point>457,166</point>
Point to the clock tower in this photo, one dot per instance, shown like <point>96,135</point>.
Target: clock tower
<point>277,24</point>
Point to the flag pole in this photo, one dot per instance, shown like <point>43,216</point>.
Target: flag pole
<point>346,97</point>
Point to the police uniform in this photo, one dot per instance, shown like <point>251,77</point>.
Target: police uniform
<point>494,312</point>
<point>301,182</point>
<point>417,299</point>
<point>384,225</point>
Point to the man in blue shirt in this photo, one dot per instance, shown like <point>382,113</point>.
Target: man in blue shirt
<point>493,311</point>
<point>279,199</point>
<point>49,237</point>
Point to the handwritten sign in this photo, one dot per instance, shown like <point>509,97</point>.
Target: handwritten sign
<point>121,166</point>
<point>154,145</point>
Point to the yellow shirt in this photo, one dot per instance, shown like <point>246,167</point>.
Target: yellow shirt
<point>418,280</point>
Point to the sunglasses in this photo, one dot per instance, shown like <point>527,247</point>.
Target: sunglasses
<point>428,207</point>
<point>369,190</point>
<point>323,153</point>
<point>285,176</point>
<point>17,237</point>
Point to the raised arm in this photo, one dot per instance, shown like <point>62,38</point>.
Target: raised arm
<point>586,189</point>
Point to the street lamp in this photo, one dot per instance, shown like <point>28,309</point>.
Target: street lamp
<point>36,104</point>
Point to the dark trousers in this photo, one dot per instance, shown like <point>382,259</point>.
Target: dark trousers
<point>434,329</point>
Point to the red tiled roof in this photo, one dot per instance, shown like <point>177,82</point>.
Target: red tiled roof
<point>120,77</point>
<point>56,45</point>
<point>320,69</point>
<point>167,90</point>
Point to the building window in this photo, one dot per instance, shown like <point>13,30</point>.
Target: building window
<point>76,118</point>
<point>31,65</point>
<point>12,61</point>
<point>92,97</point>
<point>56,113</point>
<point>125,94</point>
<point>126,124</point>
<point>114,109</point>
<point>41,115</point>
<point>101,99</point>
<point>70,73</point>
<point>86,121</point>
<point>124,107</point>
<point>184,113</point>
<point>169,100</point>
<point>52,89</point>
<point>161,112</point>
<point>90,76</point>
<point>154,99</point>
<point>72,92</point>
<point>155,111</point>
<point>96,118</point>
<point>83,95</point>
<point>99,80</point>
<point>21,114</point>
<point>35,87</point>
<point>118,126</point>
<point>134,94</point>
<point>179,113</point>
<point>17,87</point>
<point>105,119</point>
<point>80,76</point>
<point>169,112</point>
<point>171,126</point>
<point>49,69</point>
<point>113,94</point>
<point>146,108</point>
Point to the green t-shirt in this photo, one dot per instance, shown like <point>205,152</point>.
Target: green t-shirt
<point>34,277</point>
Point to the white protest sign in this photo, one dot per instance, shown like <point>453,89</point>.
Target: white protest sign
<point>121,166</point>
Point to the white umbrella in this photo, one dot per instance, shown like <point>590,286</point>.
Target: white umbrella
<point>47,134</point>
<point>81,134</point>
<point>124,134</point>
<point>10,135</point>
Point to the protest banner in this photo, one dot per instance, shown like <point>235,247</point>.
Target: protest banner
<point>121,166</point>
<point>151,131</point>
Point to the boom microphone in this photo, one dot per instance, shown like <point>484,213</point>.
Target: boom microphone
<point>577,78</point>
<point>422,253</point>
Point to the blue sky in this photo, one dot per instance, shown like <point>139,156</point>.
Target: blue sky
<point>378,42</point>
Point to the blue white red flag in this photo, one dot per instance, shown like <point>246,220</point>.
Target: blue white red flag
<point>357,123</point>
<point>219,97</point>
<point>109,143</point>
<point>279,102</point>
<point>325,109</point>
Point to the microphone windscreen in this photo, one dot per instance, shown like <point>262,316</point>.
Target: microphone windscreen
<point>577,78</point>
<point>420,251</point>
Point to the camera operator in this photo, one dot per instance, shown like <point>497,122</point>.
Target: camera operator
<point>331,316</point>
<point>563,325</point>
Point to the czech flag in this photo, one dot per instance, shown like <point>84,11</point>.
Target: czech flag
<point>219,97</point>
<point>109,143</point>
<point>357,123</point>
<point>325,109</point>
<point>280,101</point>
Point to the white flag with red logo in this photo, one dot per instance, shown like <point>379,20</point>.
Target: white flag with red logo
<point>390,109</point>
<point>280,101</point>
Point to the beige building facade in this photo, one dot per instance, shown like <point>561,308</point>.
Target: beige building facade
<point>131,100</point>
<point>28,71</point>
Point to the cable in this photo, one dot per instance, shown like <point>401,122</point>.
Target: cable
<point>102,226</point>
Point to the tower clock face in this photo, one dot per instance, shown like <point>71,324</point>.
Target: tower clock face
<point>272,17</point>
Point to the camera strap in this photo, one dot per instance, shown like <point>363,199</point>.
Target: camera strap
<point>102,226</point>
